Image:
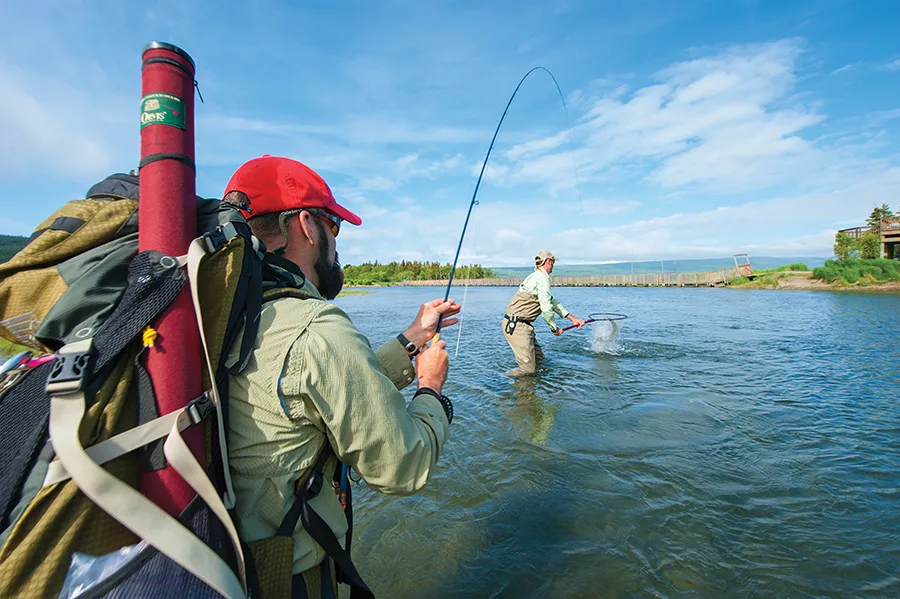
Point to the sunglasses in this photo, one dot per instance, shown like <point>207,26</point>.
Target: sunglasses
<point>334,221</point>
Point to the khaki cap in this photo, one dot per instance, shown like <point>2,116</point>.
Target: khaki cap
<point>542,256</point>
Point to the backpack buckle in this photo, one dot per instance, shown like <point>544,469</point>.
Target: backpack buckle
<point>218,237</point>
<point>314,484</point>
<point>214,240</point>
<point>198,409</point>
<point>72,367</point>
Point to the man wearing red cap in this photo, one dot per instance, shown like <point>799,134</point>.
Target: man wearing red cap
<point>313,378</point>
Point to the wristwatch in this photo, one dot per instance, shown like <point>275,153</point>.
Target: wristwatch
<point>445,401</point>
<point>408,345</point>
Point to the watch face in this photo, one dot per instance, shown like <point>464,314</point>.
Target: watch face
<point>410,347</point>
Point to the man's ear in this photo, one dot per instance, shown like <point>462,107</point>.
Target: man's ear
<point>307,227</point>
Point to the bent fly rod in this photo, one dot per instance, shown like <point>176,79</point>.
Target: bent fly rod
<point>472,203</point>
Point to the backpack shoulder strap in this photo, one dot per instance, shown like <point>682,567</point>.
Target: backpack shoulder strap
<point>313,478</point>
<point>123,503</point>
<point>280,292</point>
<point>307,487</point>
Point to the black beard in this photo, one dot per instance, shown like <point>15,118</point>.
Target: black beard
<point>331,276</point>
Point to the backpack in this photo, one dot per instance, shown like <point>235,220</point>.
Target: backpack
<point>80,289</point>
<point>61,255</point>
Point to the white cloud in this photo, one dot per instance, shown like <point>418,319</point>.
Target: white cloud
<point>377,183</point>
<point>369,129</point>
<point>767,227</point>
<point>451,162</point>
<point>590,206</point>
<point>435,167</point>
<point>727,122</point>
<point>497,174</point>
<point>359,202</point>
<point>405,161</point>
<point>894,65</point>
<point>52,125</point>
<point>707,138</point>
<point>537,146</point>
<point>844,69</point>
<point>507,233</point>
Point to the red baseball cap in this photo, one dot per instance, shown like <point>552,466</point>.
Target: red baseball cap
<point>276,184</point>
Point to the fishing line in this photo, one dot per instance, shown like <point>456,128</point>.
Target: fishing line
<point>462,309</point>
<point>473,202</point>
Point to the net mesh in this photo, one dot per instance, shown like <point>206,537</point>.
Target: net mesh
<point>605,331</point>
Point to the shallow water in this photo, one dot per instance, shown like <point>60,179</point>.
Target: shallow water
<point>738,443</point>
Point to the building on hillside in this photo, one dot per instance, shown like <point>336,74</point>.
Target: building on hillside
<point>889,231</point>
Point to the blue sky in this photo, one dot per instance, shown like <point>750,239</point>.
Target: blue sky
<point>700,128</point>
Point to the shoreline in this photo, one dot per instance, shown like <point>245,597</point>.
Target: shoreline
<point>805,282</point>
<point>790,280</point>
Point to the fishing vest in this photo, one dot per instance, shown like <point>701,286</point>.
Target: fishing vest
<point>523,307</point>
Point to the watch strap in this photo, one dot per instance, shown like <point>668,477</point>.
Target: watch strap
<point>408,345</point>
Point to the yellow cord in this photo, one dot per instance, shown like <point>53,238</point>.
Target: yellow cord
<point>149,336</point>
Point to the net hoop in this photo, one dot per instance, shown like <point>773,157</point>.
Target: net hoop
<point>611,316</point>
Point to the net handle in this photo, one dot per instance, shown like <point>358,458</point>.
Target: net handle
<point>610,316</point>
<point>572,326</point>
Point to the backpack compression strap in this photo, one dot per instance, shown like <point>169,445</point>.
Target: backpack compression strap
<point>136,437</point>
<point>121,501</point>
<point>152,286</point>
<point>148,521</point>
<point>198,409</point>
<point>320,532</point>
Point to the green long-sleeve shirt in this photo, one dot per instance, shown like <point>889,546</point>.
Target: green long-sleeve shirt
<point>538,283</point>
<point>313,375</point>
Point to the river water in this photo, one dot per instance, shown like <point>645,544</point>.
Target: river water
<point>734,443</point>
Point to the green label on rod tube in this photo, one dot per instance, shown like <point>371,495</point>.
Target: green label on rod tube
<point>162,109</point>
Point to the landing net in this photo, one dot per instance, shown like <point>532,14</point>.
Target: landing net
<point>605,329</point>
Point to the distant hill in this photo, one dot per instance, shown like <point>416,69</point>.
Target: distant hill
<point>10,245</point>
<point>624,268</point>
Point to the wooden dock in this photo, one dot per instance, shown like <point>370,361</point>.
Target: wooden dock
<point>716,278</point>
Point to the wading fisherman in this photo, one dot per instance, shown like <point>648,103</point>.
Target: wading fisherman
<point>314,380</point>
<point>533,298</point>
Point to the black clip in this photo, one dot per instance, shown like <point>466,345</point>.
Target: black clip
<point>198,409</point>
<point>71,369</point>
<point>511,324</point>
<point>214,240</point>
<point>314,484</point>
<point>218,237</point>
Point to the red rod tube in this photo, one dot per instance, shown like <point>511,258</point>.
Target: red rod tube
<point>168,223</point>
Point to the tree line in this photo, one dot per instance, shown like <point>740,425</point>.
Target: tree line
<point>868,245</point>
<point>368,273</point>
<point>375,273</point>
<point>10,246</point>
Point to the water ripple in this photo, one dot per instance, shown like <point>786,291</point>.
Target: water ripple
<point>731,444</point>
